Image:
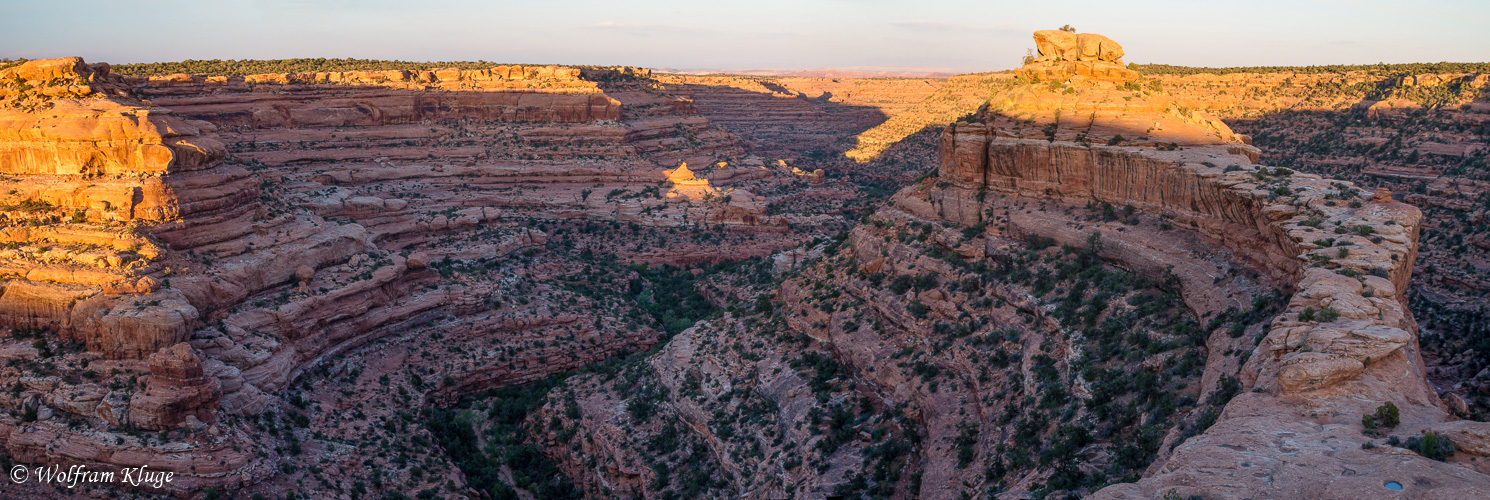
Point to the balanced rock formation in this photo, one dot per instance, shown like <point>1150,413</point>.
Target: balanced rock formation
<point>1058,45</point>
<point>1065,56</point>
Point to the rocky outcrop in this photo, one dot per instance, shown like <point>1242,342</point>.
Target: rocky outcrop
<point>97,172</point>
<point>1346,341</point>
<point>1058,45</point>
<point>178,391</point>
<point>1063,56</point>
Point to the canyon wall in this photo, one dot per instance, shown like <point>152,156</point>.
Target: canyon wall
<point>205,271</point>
<point>546,94</point>
<point>1245,206</point>
<point>274,273</point>
<point>83,176</point>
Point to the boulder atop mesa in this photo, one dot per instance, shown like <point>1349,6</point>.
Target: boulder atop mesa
<point>1065,56</point>
<point>1057,45</point>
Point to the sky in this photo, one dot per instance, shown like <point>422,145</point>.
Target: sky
<point>948,35</point>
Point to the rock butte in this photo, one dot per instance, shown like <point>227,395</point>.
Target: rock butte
<point>222,248</point>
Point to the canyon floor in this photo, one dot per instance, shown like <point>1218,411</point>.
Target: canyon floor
<point>1074,279</point>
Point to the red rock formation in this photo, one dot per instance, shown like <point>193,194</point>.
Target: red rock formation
<point>1272,216</point>
<point>100,162</point>
<point>178,391</point>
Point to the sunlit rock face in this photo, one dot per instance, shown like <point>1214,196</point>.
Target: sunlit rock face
<point>1066,56</point>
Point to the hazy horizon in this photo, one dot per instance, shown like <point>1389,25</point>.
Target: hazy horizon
<point>862,35</point>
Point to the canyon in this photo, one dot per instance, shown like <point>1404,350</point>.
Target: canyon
<point>1078,278</point>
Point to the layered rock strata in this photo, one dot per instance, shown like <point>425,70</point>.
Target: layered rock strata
<point>540,94</point>
<point>361,217</point>
<point>85,175</point>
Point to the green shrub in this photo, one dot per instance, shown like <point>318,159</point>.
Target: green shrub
<point>1388,414</point>
<point>1328,314</point>
<point>917,309</point>
<point>1431,445</point>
